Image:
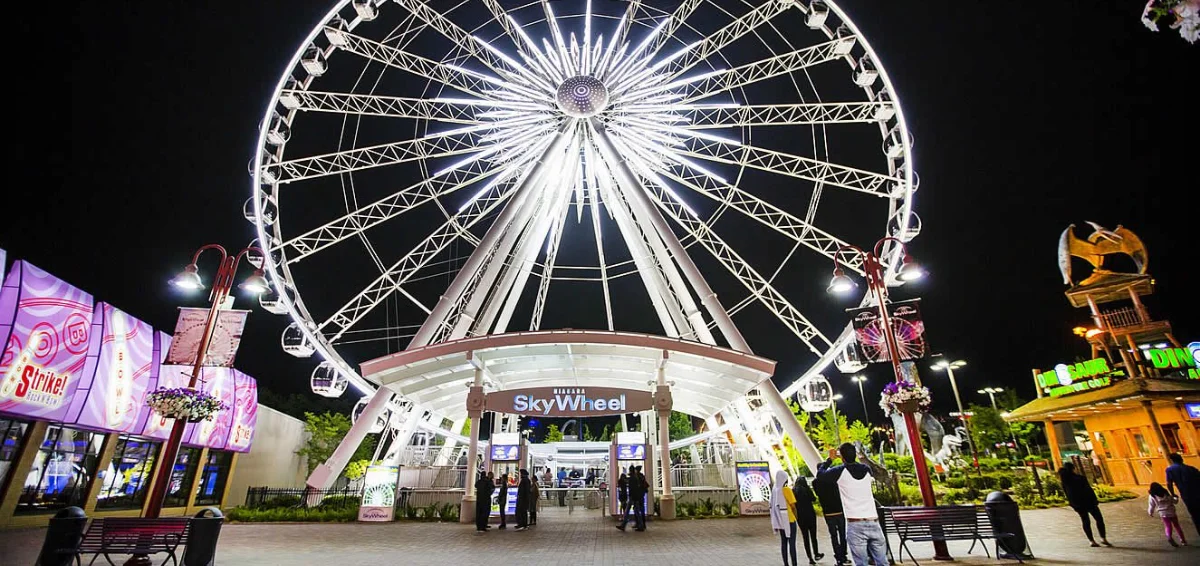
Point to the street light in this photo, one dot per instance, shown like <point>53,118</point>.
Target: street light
<point>991,393</point>
<point>860,380</point>
<point>222,283</point>
<point>949,367</point>
<point>873,268</point>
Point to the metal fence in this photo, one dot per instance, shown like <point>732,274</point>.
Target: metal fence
<point>408,497</point>
<point>433,477</point>
<point>704,475</point>
<point>274,497</point>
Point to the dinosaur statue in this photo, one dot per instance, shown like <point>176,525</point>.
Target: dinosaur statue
<point>929,425</point>
<point>951,446</point>
<point>1102,242</point>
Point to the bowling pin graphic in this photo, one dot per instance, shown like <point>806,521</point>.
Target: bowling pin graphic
<point>13,376</point>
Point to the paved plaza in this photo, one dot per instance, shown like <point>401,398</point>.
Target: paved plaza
<point>582,539</point>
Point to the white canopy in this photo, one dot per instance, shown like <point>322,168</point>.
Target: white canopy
<point>704,378</point>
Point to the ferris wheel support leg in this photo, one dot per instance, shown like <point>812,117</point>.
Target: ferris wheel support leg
<point>447,301</point>
<point>328,472</point>
<point>403,437</point>
<point>450,445</point>
<point>800,440</point>
<point>707,297</point>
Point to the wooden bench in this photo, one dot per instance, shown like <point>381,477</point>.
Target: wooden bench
<point>134,535</point>
<point>942,523</point>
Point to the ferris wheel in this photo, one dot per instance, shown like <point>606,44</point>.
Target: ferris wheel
<point>586,148</point>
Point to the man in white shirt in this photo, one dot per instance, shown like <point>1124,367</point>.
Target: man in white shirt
<point>864,535</point>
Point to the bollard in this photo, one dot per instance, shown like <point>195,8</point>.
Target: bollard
<point>61,545</point>
<point>1005,517</point>
<point>203,531</point>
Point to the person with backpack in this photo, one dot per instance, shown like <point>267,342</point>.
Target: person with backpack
<point>806,519</point>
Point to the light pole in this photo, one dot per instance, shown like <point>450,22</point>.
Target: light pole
<point>949,367</point>
<point>222,284</point>
<point>860,380</point>
<point>991,393</point>
<point>873,268</point>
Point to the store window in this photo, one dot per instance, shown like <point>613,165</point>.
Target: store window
<point>181,477</point>
<point>63,469</point>
<point>1175,441</point>
<point>124,484</point>
<point>1102,443</point>
<point>11,434</point>
<point>213,478</point>
<point>1139,442</point>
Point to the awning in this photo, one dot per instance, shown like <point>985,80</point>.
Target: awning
<point>1125,394</point>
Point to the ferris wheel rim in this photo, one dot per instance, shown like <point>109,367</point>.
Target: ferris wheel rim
<point>280,273</point>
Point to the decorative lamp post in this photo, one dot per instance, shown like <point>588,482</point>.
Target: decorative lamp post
<point>222,284</point>
<point>991,393</point>
<point>860,380</point>
<point>873,268</point>
<point>949,367</point>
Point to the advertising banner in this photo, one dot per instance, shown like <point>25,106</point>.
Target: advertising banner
<point>754,486</point>
<point>510,497</point>
<point>907,325</point>
<point>631,451</point>
<point>245,412</point>
<point>379,493</point>
<point>46,332</point>
<point>189,330</point>
<point>112,389</point>
<point>505,453</point>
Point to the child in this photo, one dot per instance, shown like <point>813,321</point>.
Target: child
<point>1164,503</point>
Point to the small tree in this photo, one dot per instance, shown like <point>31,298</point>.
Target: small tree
<point>987,427</point>
<point>606,434</point>
<point>553,434</point>
<point>325,432</point>
<point>679,426</point>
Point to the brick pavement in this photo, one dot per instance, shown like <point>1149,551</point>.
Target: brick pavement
<point>583,539</point>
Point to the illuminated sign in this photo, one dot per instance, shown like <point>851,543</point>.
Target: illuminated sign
<point>1176,358</point>
<point>1065,379</point>
<point>631,451</point>
<point>754,486</point>
<point>1193,410</point>
<point>502,453</point>
<point>570,401</point>
<point>379,493</point>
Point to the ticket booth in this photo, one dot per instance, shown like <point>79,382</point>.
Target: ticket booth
<point>628,449</point>
<point>507,454</point>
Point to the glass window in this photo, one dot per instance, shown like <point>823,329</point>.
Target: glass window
<point>126,481</point>
<point>1143,449</point>
<point>63,469</point>
<point>1103,442</point>
<point>1175,440</point>
<point>213,478</point>
<point>182,476</point>
<point>11,434</point>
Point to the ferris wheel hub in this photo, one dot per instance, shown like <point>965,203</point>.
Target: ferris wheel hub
<point>582,96</point>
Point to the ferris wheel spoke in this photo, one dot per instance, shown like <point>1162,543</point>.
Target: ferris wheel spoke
<point>412,262</point>
<point>702,116</point>
<point>830,174</point>
<point>446,182</point>
<point>675,21</point>
<point>452,110</point>
<point>444,144</point>
<point>741,270</point>
<point>695,53</point>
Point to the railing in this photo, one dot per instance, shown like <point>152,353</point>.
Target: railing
<point>273,497</point>
<point>426,497</point>
<point>703,475</point>
<point>433,477</point>
<point>1122,318</point>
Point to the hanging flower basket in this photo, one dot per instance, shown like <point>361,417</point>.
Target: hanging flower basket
<point>1184,16</point>
<point>185,403</point>
<point>904,397</point>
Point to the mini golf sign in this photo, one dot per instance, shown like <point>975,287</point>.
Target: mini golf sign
<point>1183,359</point>
<point>1066,379</point>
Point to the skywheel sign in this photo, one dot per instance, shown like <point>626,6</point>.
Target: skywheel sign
<point>570,401</point>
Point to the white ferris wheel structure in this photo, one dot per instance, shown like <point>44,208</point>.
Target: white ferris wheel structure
<point>441,171</point>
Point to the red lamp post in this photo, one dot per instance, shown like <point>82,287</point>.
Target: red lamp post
<point>874,270</point>
<point>222,285</point>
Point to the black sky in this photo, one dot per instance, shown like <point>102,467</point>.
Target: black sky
<point>133,122</point>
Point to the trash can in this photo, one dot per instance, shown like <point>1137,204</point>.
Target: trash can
<point>1005,517</point>
<point>63,537</point>
<point>203,531</point>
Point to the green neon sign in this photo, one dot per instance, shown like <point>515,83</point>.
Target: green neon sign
<point>1067,374</point>
<point>1173,358</point>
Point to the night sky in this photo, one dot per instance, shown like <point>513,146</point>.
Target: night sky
<point>133,123</point>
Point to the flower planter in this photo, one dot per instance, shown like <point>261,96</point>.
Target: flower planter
<point>909,406</point>
<point>184,403</point>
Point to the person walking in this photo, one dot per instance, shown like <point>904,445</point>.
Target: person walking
<point>562,485</point>
<point>623,494</point>
<point>483,501</point>
<point>1082,499</point>
<point>636,507</point>
<point>1163,504</point>
<point>806,519</point>
<point>503,498</point>
<point>535,501</point>
<point>831,505</point>
<point>523,492</point>
<point>1185,479</point>
<point>783,516</point>
<point>864,535</point>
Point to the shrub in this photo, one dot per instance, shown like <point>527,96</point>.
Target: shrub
<point>340,502</point>
<point>448,512</point>
<point>292,515</point>
<point>410,512</point>
<point>429,512</point>
<point>281,501</point>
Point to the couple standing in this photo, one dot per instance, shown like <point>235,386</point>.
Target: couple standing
<point>631,493</point>
<point>848,502</point>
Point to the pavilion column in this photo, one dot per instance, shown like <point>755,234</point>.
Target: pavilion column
<point>1052,440</point>
<point>662,401</point>
<point>475,405</point>
<point>1163,449</point>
